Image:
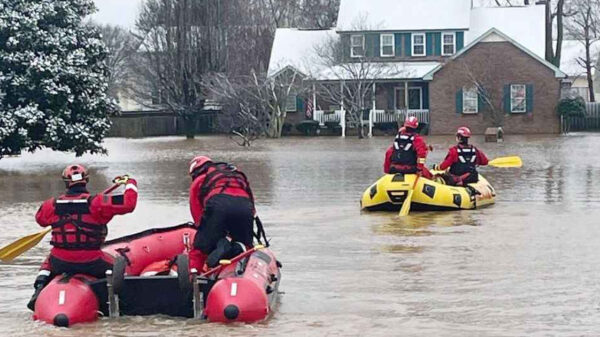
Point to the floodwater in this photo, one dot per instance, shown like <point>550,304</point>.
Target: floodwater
<point>525,266</point>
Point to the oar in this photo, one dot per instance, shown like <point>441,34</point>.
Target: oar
<point>224,263</point>
<point>512,161</point>
<point>406,204</point>
<point>11,251</point>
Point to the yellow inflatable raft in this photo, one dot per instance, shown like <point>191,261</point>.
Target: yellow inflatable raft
<point>389,192</point>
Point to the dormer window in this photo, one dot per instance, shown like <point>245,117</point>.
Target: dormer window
<point>357,46</point>
<point>387,45</point>
<point>418,44</point>
<point>448,44</point>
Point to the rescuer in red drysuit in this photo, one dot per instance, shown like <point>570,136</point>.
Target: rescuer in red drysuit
<point>78,221</point>
<point>462,159</point>
<point>408,153</point>
<point>222,206</point>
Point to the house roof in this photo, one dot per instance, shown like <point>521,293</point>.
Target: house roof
<point>495,35</point>
<point>388,15</point>
<point>525,24</point>
<point>379,71</point>
<point>573,54</point>
<point>297,49</point>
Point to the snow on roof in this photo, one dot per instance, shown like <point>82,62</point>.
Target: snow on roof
<point>572,51</point>
<point>525,24</point>
<point>383,15</point>
<point>295,48</point>
<point>382,71</point>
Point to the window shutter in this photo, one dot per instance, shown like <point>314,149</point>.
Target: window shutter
<point>347,46</point>
<point>429,44</point>
<point>529,97</point>
<point>390,98</point>
<point>372,45</point>
<point>480,101</point>
<point>398,44</point>
<point>437,38</point>
<point>506,98</point>
<point>459,101</point>
<point>407,44</point>
<point>299,103</point>
<point>460,41</point>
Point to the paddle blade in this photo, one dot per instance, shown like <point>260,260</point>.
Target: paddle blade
<point>406,204</point>
<point>9,252</point>
<point>513,161</point>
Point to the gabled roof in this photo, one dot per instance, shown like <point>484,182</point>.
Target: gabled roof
<point>296,48</point>
<point>495,35</point>
<point>573,54</point>
<point>525,24</point>
<point>395,15</point>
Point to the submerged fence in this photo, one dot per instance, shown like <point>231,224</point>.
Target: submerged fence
<point>590,121</point>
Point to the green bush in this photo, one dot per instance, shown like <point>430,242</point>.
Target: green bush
<point>571,107</point>
<point>308,127</point>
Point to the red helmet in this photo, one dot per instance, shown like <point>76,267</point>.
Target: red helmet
<point>75,174</point>
<point>464,132</point>
<point>411,122</point>
<point>198,162</point>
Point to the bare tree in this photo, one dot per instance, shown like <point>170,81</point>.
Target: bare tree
<point>584,26</point>
<point>254,105</point>
<point>122,46</point>
<point>317,14</point>
<point>350,80</point>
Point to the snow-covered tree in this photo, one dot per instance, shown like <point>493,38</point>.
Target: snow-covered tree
<point>53,78</point>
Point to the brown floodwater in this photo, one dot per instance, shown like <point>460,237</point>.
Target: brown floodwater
<point>525,266</point>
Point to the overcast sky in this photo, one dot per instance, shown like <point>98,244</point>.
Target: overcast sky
<point>117,12</point>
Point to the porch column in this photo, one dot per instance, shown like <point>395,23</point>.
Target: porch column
<point>405,99</point>
<point>372,113</point>
<point>343,112</point>
<point>314,99</point>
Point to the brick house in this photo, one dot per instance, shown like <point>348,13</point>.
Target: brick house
<point>456,65</point>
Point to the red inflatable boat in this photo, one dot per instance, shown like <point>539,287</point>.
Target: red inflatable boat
<point>242,289</point>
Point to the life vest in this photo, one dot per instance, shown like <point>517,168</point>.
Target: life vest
<point>76,228</point>
<point>404,157</point>
<point>219,178</point>
<point>467,160</point>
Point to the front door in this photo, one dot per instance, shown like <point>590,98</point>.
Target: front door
<point>415,98</point>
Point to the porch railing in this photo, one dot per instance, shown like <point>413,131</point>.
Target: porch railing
<point>381,116</point>
<point>322,117</point>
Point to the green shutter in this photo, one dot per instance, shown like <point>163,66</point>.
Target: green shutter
<point>346,45</point>
<point>429,44</point>
<point>299,103</point>
<point>407,44</point>
<point>390,98</point>
<point>480,102</point>
<point>437,38</point>
<point>529,97</point>
<point>459,101</point>
<point>460,41</point>
<point>398,44</point>
<point>372,45</point>
<point>506,98</point>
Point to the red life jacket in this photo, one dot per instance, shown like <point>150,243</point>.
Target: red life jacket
<point>76,229</point>
<point>221,177</point>
<point>404,157</point>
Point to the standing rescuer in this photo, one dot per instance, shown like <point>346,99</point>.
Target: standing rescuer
<point>462,159</point>
<point>222,206</point>
<point>78,221</point>
<point>408,153</point>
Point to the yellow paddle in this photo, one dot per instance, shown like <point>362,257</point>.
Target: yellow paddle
<point>10,251</point>
<point>406,204</point>
<point>513,161</point>
<point>22,245</point>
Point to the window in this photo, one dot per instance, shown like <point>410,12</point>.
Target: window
<point>518,98</point>
<point>387,45</point>
<point>470,99</point>
<point>290,103</point>
<point>415,98</point>
<point>357,48</point>
<point>418,45</point>
<point>448,44</point>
